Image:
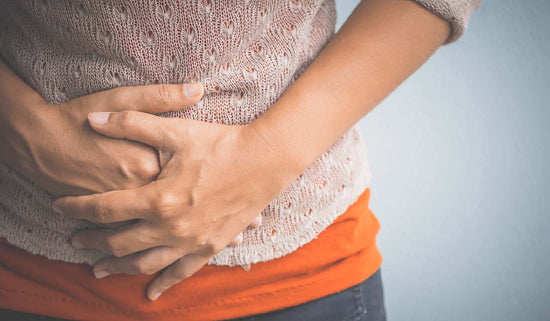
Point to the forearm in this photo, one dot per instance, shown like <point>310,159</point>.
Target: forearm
<point>18,104</point>
<point>378,47</point>
<point>14,92</point>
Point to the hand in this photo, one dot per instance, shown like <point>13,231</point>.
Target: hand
<point>217,178</point>
<point>66,157</point>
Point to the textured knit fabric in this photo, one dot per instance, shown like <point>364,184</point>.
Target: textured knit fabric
<point>247,53</point>
<point>456,12</point>
<point>343,255</point>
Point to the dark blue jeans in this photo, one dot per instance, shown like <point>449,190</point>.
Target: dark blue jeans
<point>362,302</point>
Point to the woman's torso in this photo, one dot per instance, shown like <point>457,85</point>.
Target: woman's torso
<point>245,52</point>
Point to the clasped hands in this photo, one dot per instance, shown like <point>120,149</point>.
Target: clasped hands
<point>214,180</point>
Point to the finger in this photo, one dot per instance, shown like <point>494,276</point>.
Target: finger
<point>134,125</point>
<point>180,270</point>
<point>155,98</point>
<point>146,262</point>
<point>124,241</point>
<point>237,240</point>
<point>256,221</point>
<point>108,207</point>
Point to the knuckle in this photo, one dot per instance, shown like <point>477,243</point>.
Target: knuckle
<point>147,270</point>
<point>115,248</point>
<point>126,119</point>
<point>138,171</point>
<point>143,267</point>
<point>168,94</point>
<point>146,168</point>
<point>164,203</point>
<point>100,212</point>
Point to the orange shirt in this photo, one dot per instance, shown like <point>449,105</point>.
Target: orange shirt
<point>343,255</point>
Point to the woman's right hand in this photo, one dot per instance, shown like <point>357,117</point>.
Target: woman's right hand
<point>54,146</point>
<point>70,158</point>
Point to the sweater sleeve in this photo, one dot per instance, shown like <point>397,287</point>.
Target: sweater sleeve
<point>456,12</point>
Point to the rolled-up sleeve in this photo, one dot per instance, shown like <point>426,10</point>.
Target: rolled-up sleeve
<point>456,12</point>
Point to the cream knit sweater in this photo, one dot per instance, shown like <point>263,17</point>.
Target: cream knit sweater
<point>247,53</point>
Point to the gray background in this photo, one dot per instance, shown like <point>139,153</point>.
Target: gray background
<point>460,158</point>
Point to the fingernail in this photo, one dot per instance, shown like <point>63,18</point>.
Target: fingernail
<point>192,90</point>
<point>77,244</point>
<point>154,296</point>
<point>101,274</point>
<point>56,209</point>
<point>100,118</point>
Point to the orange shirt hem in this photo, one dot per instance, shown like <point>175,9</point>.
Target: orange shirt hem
<point>343,255</point>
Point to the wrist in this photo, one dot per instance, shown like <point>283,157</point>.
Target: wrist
<point>279,145</point>
<point>21,110</point>
<point>22,129</point>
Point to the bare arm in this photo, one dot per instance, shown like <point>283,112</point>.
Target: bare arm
<point>378,47</point>
<point>16,101</point>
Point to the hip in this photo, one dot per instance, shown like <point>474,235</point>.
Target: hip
<point>361,302</point>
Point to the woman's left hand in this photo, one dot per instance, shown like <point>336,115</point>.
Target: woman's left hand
<point>215,179</point>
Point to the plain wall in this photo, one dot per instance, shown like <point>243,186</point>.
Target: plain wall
<point>460,155</point>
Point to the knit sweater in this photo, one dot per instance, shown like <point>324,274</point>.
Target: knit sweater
<point>246,53</point>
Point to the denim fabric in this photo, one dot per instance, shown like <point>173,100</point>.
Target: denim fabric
<point>362,302</point>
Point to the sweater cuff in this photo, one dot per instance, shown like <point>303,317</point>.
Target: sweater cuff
<point>456,12</point>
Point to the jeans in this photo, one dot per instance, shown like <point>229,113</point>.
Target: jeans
<point>362,302</point>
